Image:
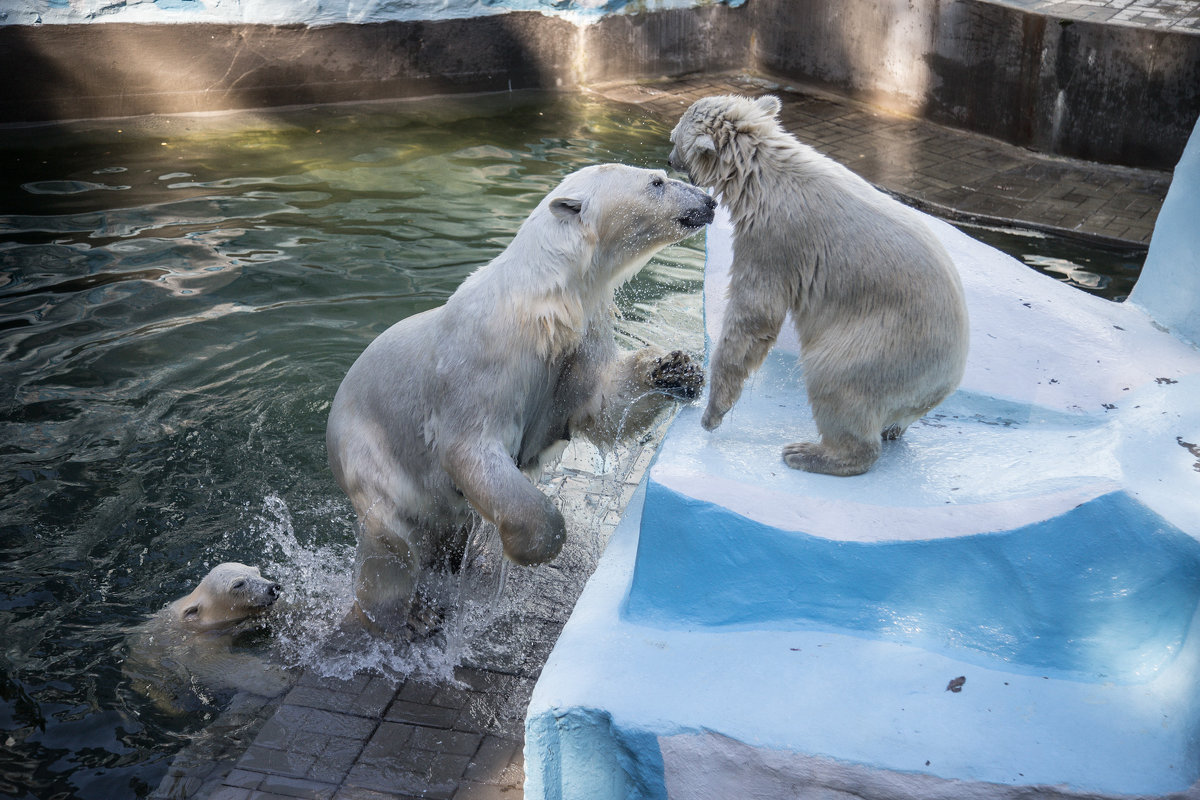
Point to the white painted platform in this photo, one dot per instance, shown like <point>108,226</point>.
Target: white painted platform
<point>754,631</point>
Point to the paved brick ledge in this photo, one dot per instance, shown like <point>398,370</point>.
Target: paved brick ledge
<point>1180,15</point>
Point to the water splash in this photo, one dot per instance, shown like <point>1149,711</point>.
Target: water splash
<point>492,614</point>
<point>316,580</point>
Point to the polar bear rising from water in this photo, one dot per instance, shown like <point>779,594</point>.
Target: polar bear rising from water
<point>456,408</point>
<point>876,300</point>
<point>188,645</point>
<point>227,595</point>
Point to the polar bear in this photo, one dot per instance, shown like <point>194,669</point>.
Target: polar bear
<point>188,645</point>
<point>452,411</point>
<point>876,300</point>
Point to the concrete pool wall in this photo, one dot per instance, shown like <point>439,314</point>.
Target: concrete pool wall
<point>1114,93</point>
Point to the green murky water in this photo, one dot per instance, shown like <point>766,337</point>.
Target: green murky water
<point>179,299</point>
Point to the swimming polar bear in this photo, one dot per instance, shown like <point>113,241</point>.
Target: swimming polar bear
<point>186,649</point>
<point>452,411</point>
<point>876,300</point>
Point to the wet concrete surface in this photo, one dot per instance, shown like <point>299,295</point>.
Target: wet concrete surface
<point>376,736</point>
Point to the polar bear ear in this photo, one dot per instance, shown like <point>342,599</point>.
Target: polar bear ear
<point>704,145</point>
<point>566,207</point>
<point>769,104</point>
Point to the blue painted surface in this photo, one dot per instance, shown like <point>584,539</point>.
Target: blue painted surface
<point>1106,591</point>
<point>862,706</point>
<point>595,758</point>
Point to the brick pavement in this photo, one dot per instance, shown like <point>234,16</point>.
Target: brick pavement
<point>369,738</point>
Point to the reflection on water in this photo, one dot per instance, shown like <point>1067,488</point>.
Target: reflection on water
<point>1107,270</point>
<point>179,298</point>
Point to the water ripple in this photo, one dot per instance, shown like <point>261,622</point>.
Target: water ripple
<point>69,187</point>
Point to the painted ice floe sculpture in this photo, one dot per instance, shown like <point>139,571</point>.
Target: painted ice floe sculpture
<point>1005,606</point>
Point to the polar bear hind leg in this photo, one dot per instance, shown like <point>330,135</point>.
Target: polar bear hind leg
<point>385,572</point>
<point>388,565</point>
<point>895,427</point>
<point>842,458</point>
<point>850,439</point>
<point>848,448</point>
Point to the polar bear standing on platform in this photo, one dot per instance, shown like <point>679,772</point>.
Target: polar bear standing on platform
<point>455,409</point>
<point>876,300</point>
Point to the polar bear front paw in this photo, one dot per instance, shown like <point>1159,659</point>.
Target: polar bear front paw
<point>711,419</point>
<point>678,375</point>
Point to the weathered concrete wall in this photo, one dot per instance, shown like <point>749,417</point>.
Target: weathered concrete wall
<point>313,13</point>
<point>123,69</point>
<point>714,38</point>
<point>1110,93</point>
<point>82,71</point>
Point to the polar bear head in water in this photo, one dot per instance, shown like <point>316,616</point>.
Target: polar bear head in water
<point>227,595</point>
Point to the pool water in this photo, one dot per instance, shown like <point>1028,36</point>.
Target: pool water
<point>179,299</point>
<point>1106,269</point>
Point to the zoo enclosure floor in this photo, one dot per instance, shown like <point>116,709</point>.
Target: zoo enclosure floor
<point>371,739</point>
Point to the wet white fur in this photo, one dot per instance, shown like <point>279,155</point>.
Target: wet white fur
<point>228,594</point>
<point>188,645</point>
<point>456,408</point>
<point>876,300</point>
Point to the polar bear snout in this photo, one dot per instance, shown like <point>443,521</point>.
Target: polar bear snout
<point>262,593</point>
<point>244,587</point>
<point>700,215</point>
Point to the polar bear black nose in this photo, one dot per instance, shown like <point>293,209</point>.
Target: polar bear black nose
<point>698,217</point>
<point>274,589</point>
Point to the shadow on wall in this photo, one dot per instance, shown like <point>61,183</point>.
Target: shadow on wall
<point>86,71</point>
<point>872,51</point>
<point>711,38</point>
<point>119,69</point>
<point>1109,93</point>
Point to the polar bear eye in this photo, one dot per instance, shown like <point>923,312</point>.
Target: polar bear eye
<point>239,584</point>
<point>193,611</point>
<point>657,183</point>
